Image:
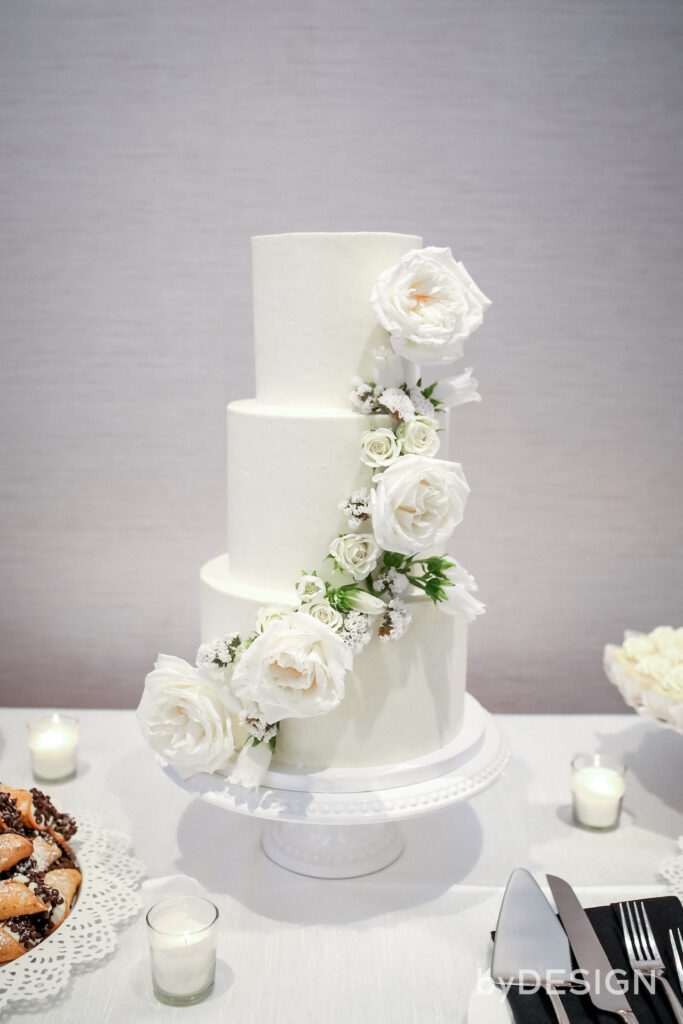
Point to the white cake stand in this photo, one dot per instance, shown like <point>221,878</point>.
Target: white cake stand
<point>340,824</point>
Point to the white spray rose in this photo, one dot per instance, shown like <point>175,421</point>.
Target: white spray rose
<point>419,437</point>
<point>417,503</point>
<point>355,553</point>
<point>379,447</point>
<point>294,669</point>
<point>185,718</point>
<point>429,304</point>
<point>324,612</point>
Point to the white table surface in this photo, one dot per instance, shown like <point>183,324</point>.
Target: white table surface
<point>403,945</point>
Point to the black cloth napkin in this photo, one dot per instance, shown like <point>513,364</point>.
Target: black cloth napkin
<point>664,912</point>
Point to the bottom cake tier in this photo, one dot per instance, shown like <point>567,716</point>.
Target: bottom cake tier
<point>404,698</point>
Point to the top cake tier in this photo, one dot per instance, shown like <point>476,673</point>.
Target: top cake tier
<point>314,328</point>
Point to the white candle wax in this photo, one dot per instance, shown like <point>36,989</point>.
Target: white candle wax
<point>597,796</point>
<point>182,949</point>
<point>53,743</point>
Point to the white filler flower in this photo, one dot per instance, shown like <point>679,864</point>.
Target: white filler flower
<point>429,304</point>
<point>185,718</point>
<point>379,447</point>
<point>417,503</point>
<point>355,553</point>
<point>294,669</point>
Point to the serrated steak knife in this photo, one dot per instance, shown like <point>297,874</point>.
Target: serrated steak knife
<point>599,976</point>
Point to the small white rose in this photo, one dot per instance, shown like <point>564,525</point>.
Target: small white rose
<point>271,613</point>
<point>324,612</point>
<point>417,503</point>
<point>309,587</point>
<point>294,669</point>
<point>419,437</point>
<point>185,718</point>
<point>355,553</point>
<point>367,603</point>
<point>379,447</point>
<point>429,304</point>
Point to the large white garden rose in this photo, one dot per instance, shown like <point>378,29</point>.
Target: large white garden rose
<point>294,669</point>
<point>417,503</point>
<point>355,553</point>
<point>419,436</point>
<point>185,718</point>
<point>429,304</point>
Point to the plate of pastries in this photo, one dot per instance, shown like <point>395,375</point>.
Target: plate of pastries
<point>39,875</point>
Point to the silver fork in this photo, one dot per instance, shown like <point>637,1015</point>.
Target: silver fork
<point>642,950</point>
<point>677,951</point>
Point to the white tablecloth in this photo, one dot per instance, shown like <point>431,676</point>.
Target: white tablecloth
<point>397,947</point>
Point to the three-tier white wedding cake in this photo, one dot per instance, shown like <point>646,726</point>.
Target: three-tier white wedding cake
<point>338,511</point>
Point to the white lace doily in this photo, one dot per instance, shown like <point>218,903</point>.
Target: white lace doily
<point>672,870</point>
<point>108,897</point>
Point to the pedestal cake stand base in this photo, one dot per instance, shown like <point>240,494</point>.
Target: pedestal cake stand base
<point>343,824</point>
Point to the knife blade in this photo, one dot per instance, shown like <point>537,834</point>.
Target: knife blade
<point>530,945</point>
<point>602,983</point>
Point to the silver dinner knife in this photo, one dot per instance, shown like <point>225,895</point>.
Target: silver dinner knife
<point>530,945</point>
<point>598,971</point>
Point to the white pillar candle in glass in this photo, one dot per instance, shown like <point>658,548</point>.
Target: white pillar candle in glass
<point>182,933</point>
<point>598,786</point>
<point>53,742</point>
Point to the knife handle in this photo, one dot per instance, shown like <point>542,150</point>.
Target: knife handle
<point>559,1009</point>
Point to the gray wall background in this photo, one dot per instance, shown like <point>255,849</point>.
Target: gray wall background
<point>142,143</point>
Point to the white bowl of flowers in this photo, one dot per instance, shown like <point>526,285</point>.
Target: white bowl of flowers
<point>648,672</point>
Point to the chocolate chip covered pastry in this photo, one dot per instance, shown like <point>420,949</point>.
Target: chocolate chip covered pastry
<point>39,879</point>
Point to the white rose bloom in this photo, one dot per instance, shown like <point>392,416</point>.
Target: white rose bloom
<point>379,447</point>
<point>324,612</point>
<point>419,437</point>
<point>673,682</point>
<point>271,613</point>
<point>417,503</point>
<point>294,669</point>
<point>309,587</point>
<point>458,390</point>
<point>185,718</point>
<point>429,304</point>
<point>355,553</point>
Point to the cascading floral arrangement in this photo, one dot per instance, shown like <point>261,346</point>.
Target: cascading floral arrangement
<point>293,663</point>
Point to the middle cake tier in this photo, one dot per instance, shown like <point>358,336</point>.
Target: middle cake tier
<point>288,471</point>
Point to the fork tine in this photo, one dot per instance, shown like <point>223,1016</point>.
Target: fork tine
<point>677,955</point>
<point>641,932</point>
<point>636,941</point>
<point>630,952</point>
<point>650,936</point>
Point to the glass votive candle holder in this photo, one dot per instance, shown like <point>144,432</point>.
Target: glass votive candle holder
<point>53,743</point>
<point>183,934</point>
<point>598,784</point>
